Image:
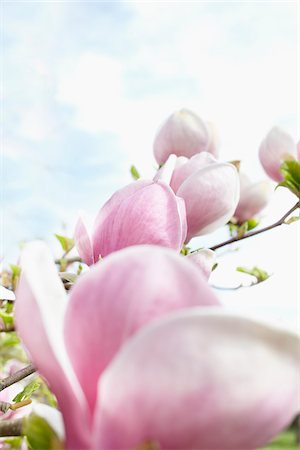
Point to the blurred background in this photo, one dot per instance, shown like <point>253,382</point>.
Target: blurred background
<point>86,86</point>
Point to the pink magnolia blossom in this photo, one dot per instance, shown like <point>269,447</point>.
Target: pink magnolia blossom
<point>144,212</point>
<point>171,380</point>
<point>276,147</point>
<point>298,150</point>
<point>209,188</point>
<point>253,198</point>
<point>185,134</point>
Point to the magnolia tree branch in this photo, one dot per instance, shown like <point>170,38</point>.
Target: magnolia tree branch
<point>18,376</point>
<point>11,427</point>
<point>262,230</point>
<point>69,260</point>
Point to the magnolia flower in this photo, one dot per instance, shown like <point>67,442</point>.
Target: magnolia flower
<point>144,212</point>
<point>276,147</point>
<point>124,380</point>
<point>253,198</point>
<point>209,188</point>
<point>184,134</point>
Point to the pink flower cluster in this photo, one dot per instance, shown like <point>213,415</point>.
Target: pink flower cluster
<point>141,352</point>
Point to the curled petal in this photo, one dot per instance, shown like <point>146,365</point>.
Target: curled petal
<point>40,307</point>
<point>184,170</point>
<point>148,215</point>
<point>211,196</point>
<point>199,379</point>
<point>119,295</point>
<point>205,260</point>
<point>166,171</point>
<point>277,147</point>
<point>83,242</point>
<point>183,133</point>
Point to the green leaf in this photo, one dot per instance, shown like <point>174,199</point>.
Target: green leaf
<point>290,170</point>
<point>14,443</point>
<point>40,434</point>
<point>185,250</point>
<point>66,242</point>
<point>134,173</point>
<point>7,318</point>
<point>16,270</point>
<point>10,340</point>
<point>252,223</point>
<point>259,274</point>
<point>27,391</point>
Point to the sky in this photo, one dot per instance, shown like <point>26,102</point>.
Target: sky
<point>86,85</point>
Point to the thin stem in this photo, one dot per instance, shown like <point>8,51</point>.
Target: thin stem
<point>254,233</point>
<point>69,260</point>
<point>23,373</point>
<point>11,427</point>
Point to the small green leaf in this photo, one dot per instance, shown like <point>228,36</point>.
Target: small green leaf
<point>14,443</point>
<point>214,267</point>
<point>134,173</point>
<point>66,242</point>
<point>27,391</point>
<point>259,274</point>
<point>185,250</point>
<point>290,170</point>
<point>16,270</point>
<point>252,223</point>
<point>8,319</point>
<point>40,434</point>
<point>11,340</point>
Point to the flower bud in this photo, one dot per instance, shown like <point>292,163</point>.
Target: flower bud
<point>277,147</point>
<point>183,134</point>
<point>253,198</point>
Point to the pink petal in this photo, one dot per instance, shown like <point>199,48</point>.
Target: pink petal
<point>120,294</point>
<point>274,149</point>
<point>211,196</point>
<point>83,242</point>
<point>166,171</point>
<point>183,133</point>
<point>199,379</point>
<point>191,166</point>
<point>40,307</point>
<point>298,150</point>
<point>149,215</point>
<point>205,259</point>
<point>253,198</point>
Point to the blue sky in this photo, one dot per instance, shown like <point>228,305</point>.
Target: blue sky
<point>87,84</point>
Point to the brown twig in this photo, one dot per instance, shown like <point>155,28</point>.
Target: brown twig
<point>11,427</point>
<point>254,233</point>
<point>68,260</point>
<point>23,373</point>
